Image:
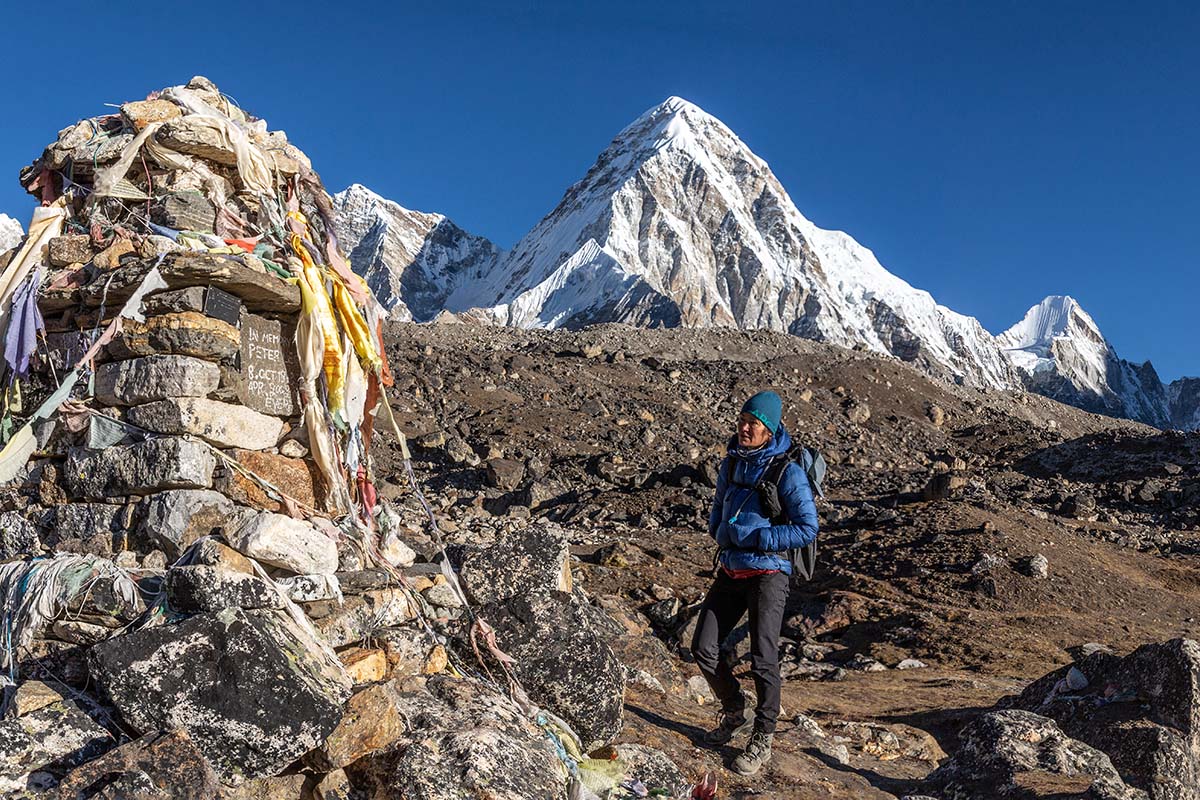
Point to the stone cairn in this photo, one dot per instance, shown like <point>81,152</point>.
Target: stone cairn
<point>203,596</point>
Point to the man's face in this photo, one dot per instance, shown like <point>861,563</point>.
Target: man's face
<point>751,432</point>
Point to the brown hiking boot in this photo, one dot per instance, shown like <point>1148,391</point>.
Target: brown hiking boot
<point>756,754</point>
<point>729,725</point>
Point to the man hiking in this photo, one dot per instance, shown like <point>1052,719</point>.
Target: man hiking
<point>753,573</point>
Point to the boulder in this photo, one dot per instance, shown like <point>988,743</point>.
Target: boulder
<point>38,748</point>
<point>372,722</point>
<point>64,251</point>
<point>221,424</point>
<point>1001,750</point>
<point>194,589</point>
<point>533,559</point>
<point>521,584</point>
<point>294,477</point>
<point>505,473</point>
<point>173,520</point>
<point>364,664</point>
<point>193,136</point>
<point>562,663</point>
<point>291,544</point>
<point>162,765</point>
<point>83,520</point>
<point>1142,710</point>
<point>472,742</point>
<point>141,113</point>
<point>253,691</point>
<point>334,786</point>
<point>141,380</point>
<point>139,469</point>
<point>278,787</point>
<point>186,211</point>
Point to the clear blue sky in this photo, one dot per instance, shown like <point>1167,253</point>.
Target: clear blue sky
<point>991,155</point>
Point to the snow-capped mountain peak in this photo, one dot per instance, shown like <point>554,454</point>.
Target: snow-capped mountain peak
<point>411,259</point>
<point>679,222</point>
<point>1061,353</point>
<point>11,233</point>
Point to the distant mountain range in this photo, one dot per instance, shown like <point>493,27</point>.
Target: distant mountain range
<point>679,223</point>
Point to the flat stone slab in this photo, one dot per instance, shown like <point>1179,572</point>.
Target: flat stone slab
<point>186,333</point>
<point>258,289</point>
<point>222,424</point>
<point>250,689</point>
<point>143,380</point>
<point>139,469</point>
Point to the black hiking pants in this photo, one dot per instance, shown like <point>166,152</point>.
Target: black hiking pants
<point>764,596</point>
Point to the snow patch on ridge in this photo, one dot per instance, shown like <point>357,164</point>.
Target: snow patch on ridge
<point>11,233</point>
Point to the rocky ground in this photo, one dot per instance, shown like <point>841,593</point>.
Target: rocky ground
<point>972,542</point>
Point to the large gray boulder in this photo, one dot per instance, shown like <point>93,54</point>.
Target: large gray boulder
<point>1002,752</point>
<point>171,521</point>
<point>464,741</point>
<point>1143,710</point>
<point>252,690</point>
<point>138,469</point>
<point>142,380</point>
<point>522,585</point>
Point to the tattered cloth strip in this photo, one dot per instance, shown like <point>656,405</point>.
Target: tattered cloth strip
<point>18,449</point>
<point>36,593</point>
<point>24,325</point>
<point>46,224</point>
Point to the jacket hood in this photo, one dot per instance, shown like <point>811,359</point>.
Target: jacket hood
<point>780,443</point>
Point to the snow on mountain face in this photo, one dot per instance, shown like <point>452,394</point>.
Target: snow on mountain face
<point>412,260</point>
<point>678,222</point>
<point>11,233</point>
<point>1062,354</point>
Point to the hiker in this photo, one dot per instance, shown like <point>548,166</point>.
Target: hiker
<point>753,573</point>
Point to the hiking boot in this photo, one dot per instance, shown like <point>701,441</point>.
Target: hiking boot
<point>757,753</point>
<point>729,725</point>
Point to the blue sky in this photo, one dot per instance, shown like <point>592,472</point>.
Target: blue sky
<point>992,155</point>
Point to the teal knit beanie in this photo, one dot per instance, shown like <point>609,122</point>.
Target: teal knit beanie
<point>767,407</point>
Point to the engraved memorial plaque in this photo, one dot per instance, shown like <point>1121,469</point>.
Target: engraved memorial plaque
<point>270,371</point>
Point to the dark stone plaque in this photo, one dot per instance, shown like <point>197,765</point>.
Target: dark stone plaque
<point>270,371</point>
<point>220,304</point>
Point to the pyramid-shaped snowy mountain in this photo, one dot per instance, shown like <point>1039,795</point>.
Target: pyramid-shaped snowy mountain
<point>1061,353</point>
<point>677,223</point>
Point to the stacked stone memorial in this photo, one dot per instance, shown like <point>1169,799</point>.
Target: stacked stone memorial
<point>222,607</point>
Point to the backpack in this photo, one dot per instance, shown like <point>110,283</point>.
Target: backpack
<point>804,559</point>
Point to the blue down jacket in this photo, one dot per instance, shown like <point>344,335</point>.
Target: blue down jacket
<point>746,536</point>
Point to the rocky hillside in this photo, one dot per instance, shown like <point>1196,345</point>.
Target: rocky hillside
<point>951,511</point>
